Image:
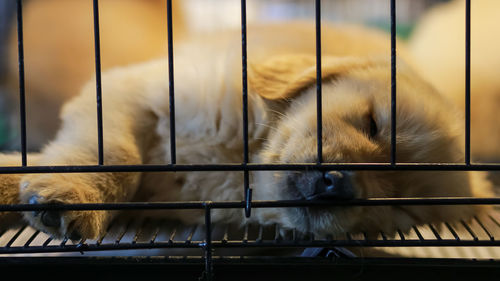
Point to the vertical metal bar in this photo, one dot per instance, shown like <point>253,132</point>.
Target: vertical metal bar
<point>393,82</point>
<point>467,80</point>
<point>248,193</point>
<point>208,243</point>
<point>319,103</point>
<point>171,95</point>
<point>244,78</point>
<point>246,176</point>
<point>22,88</point>
<point>97,46</point>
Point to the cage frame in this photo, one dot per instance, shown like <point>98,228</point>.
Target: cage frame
<point>246,167</point>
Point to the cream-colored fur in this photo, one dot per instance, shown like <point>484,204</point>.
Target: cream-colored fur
<point>438,45</point>
<point>282,129</point>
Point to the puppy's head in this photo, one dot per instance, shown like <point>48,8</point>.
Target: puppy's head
<point>356,129</point>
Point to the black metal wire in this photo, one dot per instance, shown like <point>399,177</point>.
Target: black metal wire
<point>319,102</point>
<point>244,79</point>
<point>22,86</point>
<point>97,46</point>
<point>208,243</point>
<point>13,239</point>
<point>248,167</point>
<point>171,92</point>
<point>484,228</point>
<point>32,237</point>
<point>255,204</point>
<point>393,82</point>
<point>452,231</point>
<point>467,80</point>
<point>435,232</point>
<point>263,244</point>
<point>244,71</point>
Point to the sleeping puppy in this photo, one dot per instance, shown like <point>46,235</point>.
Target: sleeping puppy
<point>438,46</point>
<point>282,129</point>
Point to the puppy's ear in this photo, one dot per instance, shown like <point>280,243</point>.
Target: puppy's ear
<point>285,76</point>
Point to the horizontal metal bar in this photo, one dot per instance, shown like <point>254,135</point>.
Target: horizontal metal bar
<point>247,167</point>
<point>255,204</point>
<point>252,244</point>
<point>357,243</point>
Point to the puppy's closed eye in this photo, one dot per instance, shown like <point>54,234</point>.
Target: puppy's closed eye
<point>370,127</point>
<point>373,129</point>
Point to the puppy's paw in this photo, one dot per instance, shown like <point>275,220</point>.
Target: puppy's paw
<point>63,189</point>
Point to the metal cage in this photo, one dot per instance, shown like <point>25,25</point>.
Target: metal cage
<point>213,245</point>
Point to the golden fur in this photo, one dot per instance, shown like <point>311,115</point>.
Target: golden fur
<point>59,51</point>
<point>282,129</point>
<point>438,45</point>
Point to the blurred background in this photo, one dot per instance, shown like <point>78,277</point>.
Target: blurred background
<point>206,15</point>
<point>59,43</point>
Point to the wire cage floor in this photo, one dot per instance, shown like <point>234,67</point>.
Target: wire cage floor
<point>478,238</point>
<point>131,249</point>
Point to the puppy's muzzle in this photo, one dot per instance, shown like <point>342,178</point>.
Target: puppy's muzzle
<point>321,185</point>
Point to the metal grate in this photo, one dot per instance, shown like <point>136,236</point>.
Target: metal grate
<point>211,239</point>
<point>128,234</point>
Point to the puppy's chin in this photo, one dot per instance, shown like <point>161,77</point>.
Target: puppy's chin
<point>324,221</point>
<point>319,220</point>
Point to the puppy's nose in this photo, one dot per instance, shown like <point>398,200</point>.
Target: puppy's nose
<point>313,185</point>
<point>333,185</point>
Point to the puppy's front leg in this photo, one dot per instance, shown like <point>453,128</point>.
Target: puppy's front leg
<point>125,125</point>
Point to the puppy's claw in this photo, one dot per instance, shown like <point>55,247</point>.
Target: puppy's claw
<point>51,218</point>
<point>34,200</point>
